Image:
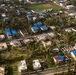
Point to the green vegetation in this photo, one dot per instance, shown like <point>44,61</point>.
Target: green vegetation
<point>44,6</point>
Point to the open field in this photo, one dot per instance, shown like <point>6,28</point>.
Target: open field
<point>44,6</point>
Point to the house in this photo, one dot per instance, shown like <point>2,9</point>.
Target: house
<point>73,54</point>
<point>9,33</point>
<point>2,71</point>
<point>69,7</point>
<point>29,16</point>
<point>34,28</point>
<point>43,28</point>
<point>69,29</point>
<point>3,46</point>
<point>55,50</point>
<point>3,14</point>
<point>72,14</point>
<point>2,37</point>
<point>39,23</point>
<point>58,59</point>
<point>36,64</point>
<point>23,66</point>
<point>34,18</point>
<point>15,43</point>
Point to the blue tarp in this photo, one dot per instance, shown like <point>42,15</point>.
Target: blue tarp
<point>39,23</point>
<point>29,15</point>
<point>14,32</point>
<point>60,57</point>
<point>35,24</point>
<point>74,52</point>
<point>43,27</point>
<point>7,32</point>
<point>29,18</point>
<point>35,28</point>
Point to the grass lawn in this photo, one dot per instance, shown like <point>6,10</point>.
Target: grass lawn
<point>44,6</point>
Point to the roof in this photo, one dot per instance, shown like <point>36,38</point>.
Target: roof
<point>35,23</point>
<point>7,32</point>
<point>35,28</point>
<point>60,57</point>
<point>36,64</point>
<point>43,27</point>
<point>39,23</point>
<point>74,52</point>
<point>29,15</point>
<point>29,18</point>
<point>14,32</point>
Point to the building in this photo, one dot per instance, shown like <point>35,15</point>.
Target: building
<point>69,7</point>
<point>2,37</point>
<point>23,66</point>
<point>3,46</point>
<point>29,16</point>
<point>9,33</point>
<point>2,71</point>
<point>43,28</point>
<point>73,54</point>
<point>34,28</point>
<point>55,50</point>
<point>36,64</point>
<point>58,59</point>
<point>15,43</point>
<point>72,14</point>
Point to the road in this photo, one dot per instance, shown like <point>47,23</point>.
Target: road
<point>54,71</point>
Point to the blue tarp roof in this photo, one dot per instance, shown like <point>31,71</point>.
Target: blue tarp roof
<point>43,27</point>
<point>60,57</point>
<point>29,15</point>
<point>39,23</point>
<point>7,32</point>
<point>29,18</point>
<point>35,23</point>
<point>35,28</point>
<point>14,32</point>
<point>74,52</point>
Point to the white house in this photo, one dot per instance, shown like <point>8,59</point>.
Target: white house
<point>23,66</point>
<point>73,54</point>
<point>3,46</point>
<point>2,71</point>
<point>36,64</point>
